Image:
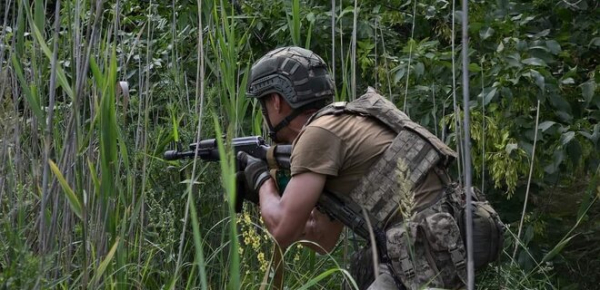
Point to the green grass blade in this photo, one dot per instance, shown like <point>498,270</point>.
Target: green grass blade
<point>556,250</point>
<point>308,36</point>
<point>198,245</point>
<point>315,280</point>
<point>228,177</point>
<point>60,74</point>
<point>105,263</point>
<point>74,202</point>
<point>94,176</point>
<point>295,25</point>
<point>32,99</point>
<point>39,13</point>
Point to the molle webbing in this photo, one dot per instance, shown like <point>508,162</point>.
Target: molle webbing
<point>403,165</point>
<point>406,162</point>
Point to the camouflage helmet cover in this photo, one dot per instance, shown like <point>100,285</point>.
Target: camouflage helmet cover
<point>299,75</point>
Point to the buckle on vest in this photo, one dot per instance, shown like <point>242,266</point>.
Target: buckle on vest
<point>407,268</point>
<point>457,258</point>
<point>338,108</point>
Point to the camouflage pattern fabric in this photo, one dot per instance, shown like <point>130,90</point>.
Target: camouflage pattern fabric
<point>297,74</point>
<point>361,267</point>
<point>425,251</point>
<point>423,242</point>
<point>428,250</point>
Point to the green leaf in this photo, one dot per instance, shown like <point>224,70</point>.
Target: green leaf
<point>546,125</point>
<point>486,32</point>
<point>587,90</point>
<point>539,47</point>
<point>500,47</point>
<point>558,158</point>
<point>60,74</point>
<point>510,147</point>
<point>489,96</point>
<point>595,41</point>
<point>399,75</point>
<point>563,108</point>
<point>556,250</point>
<point>419,69</point>
<point>74,202</point>
<point>543,33</point>
<point>594,136</point>
<point>534,61</point>
<point>473,67</point>
<point>32,99</point>
<point>540,81</point>
<point>513,59</point>
<point>553,46</point>
<point>104,264</point>
<point>565,138</point>
<point>568,81</point>
<point>324,275</point>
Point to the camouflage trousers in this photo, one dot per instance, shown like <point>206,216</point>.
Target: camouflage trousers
<point>426,251</point>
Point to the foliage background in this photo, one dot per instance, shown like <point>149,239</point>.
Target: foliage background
<point>86,200</point>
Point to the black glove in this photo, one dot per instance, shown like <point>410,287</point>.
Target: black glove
<point>256,172</point>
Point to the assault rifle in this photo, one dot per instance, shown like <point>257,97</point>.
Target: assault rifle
<point>278,157</point>
<point>254,145</point>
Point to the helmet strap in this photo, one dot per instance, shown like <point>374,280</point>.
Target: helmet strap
<point>272,132</point>
<point>285,122</point>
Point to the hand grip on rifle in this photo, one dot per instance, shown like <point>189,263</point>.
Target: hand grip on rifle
<point>333,205</point>
<point>254,147</point>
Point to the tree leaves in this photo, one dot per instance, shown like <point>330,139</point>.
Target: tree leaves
<point>553,46</point>
<point>540,81</point>
<point>486,32</point>
<point>566,137</point>
<point>544,126</point>
<point>587,90</point>
<point>489,96</point>
<point>534,61</point>
<point>74,202</point>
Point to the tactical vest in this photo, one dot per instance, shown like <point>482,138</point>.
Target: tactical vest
<point>412,154</point>
<point>378,198</point>
<point>427,248</point>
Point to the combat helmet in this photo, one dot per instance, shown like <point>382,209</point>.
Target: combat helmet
<point>298,75</point>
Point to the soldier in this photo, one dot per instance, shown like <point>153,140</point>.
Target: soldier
<point>369,154</point>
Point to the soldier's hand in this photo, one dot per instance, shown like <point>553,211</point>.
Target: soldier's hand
<point>256,172</point>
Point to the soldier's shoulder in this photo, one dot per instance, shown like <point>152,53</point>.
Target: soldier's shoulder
<point>332,121</point>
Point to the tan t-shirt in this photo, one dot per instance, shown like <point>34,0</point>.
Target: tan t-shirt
<point>344,148</point>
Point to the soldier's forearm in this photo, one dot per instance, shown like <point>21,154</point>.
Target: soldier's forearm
<point>321,232</point>
<point>273,216</point>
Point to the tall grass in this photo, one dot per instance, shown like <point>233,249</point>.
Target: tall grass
<point>89,98</point>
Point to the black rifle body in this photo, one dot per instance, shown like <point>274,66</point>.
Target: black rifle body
<point>328,203</point>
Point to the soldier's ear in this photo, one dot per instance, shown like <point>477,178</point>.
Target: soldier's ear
<point>277,99</point>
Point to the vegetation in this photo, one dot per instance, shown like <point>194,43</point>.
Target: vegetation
<point>92,93</point>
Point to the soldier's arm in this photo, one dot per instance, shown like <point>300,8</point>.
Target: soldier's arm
<point>321,232</point>
<point>288,217</point>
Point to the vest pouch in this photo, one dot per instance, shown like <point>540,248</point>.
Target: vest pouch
<point>488,233</point>
<point>410,256</point>
<point>446,247</point>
